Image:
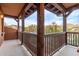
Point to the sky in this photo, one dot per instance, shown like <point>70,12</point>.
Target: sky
<point>73,17</point>
<point>49,18</point>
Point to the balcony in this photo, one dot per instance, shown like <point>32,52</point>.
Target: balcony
<point>54,45</point>
<point>40,44</point>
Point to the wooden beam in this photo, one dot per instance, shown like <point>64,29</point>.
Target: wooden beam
<point>6,15</point>
<point>73,7</point>
<point>48,5</point>
<point>30,10</point>
<point>27,13</point>
<point>30,13</point>
<point>52,8</point>
<point>28,7</point>
<point>62,6</point>
<point>34,6</point>
<point>69,12</point>
<point>40,29</point>
<point>22,9</point>
<point>59,7</point>
<point>57,11</point>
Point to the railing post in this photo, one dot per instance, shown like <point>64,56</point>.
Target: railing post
<point>66,38</point>
<point>65,26</point>
<point>40,29</point>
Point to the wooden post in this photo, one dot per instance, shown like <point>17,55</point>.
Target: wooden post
<point>64,22</point>
<point>65,26</point>
<point>40,29</point>
<point>22,30</point>
<point>18,29</point>
<point>23,17</point>
<point>1,28</point>
<point>3,24</point>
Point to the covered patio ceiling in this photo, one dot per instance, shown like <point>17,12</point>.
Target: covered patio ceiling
<point>16,9</point>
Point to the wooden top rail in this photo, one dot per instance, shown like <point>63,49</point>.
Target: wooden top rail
<point>73,32</point>
<point>46,33</point>
<point>55,33</point>
<point>30,33</point>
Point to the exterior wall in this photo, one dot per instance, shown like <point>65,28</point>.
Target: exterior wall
<point>10,33</point>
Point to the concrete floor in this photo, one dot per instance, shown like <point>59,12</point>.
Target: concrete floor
<point>67,50</point>
<point>13,48</point>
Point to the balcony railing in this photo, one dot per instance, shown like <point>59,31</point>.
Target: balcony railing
<point>30,42</point>
<point>73,38</point>
<point>52,42</point>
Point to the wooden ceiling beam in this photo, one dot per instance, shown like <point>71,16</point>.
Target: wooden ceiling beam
<point>28,7</point>
<point>62,6</point>
<point>59,7</point>
<point>27,13</point>
<point>34,6</point>
<point>52,8</point>
<point>30,10</point>
<point>22,9</point>
<point>69,10</point>
<point>48,5</point>
<point>57,11</point>
<point>30,13</point>
<point>10,16</point>
<point>73,7</point>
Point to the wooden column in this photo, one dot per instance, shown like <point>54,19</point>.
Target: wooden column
<point>1,29</point>
<point>17,29</point>
<point>40,29</point>
<point>22,30</point>
<point>23,17</point>
<point>64,23</point>
<point>0,24</point>
<point>65,26</point>
<point>3,24</point>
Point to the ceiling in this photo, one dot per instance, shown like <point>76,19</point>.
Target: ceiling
<point>15,9</point>
<point>68,5</point>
